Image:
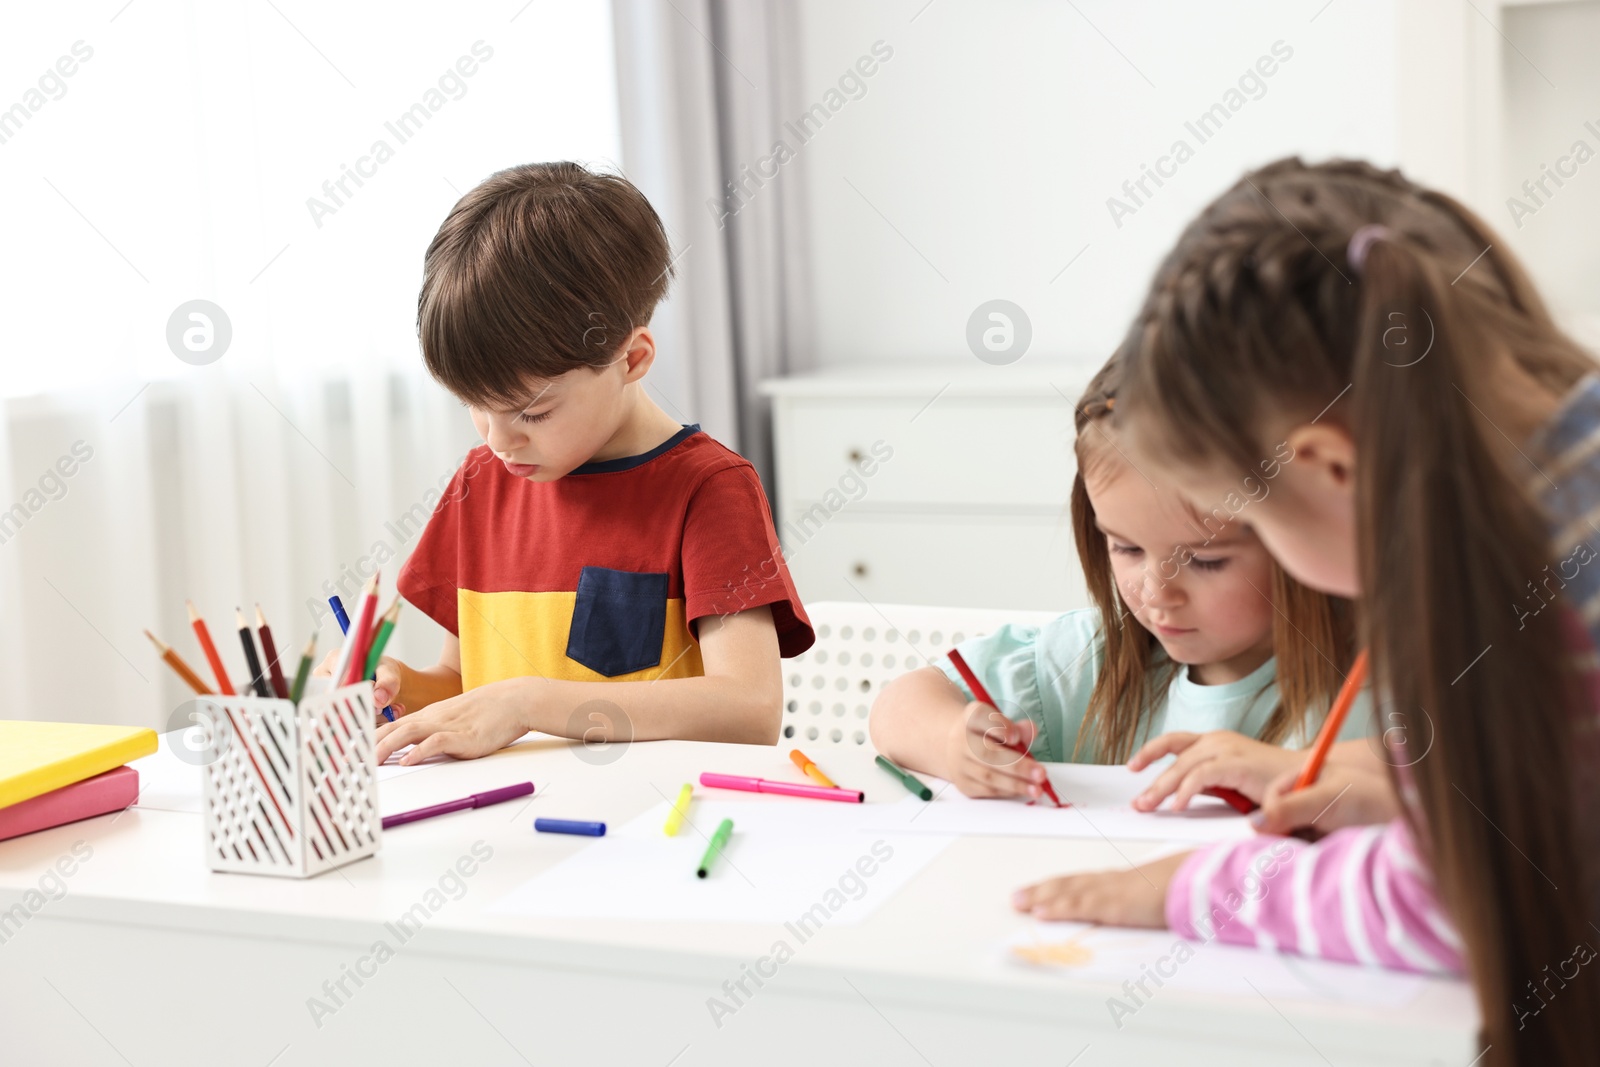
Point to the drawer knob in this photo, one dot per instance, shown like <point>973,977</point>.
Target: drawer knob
<point>860,570</point>
<point>856,455</point>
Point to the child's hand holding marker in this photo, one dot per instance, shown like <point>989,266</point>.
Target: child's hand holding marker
<point>482,720</point>
<point>1219,758</point>
<point>387,685</point>
<point>986,755</point>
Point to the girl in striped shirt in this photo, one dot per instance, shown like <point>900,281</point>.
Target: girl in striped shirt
<point>1447,474</point>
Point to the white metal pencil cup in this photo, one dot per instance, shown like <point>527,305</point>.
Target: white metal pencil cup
<point>291,791</point>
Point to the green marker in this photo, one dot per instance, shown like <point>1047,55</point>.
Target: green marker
<point>906,779</point>
<point>713,850</point>
<point>297,690</point>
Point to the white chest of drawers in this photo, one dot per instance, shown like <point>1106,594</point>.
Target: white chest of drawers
<point>929,484</point>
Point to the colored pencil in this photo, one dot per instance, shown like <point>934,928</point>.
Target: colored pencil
<point>270,651</point>
<point>363,629</point>
<point>385,628</point>
<point>1334,722</point>
<point>224,686</point>
<point>810,770</point>
<point>182,669</point>
<point>719,841</point>
<point>304,671</point>
<point>680,808</point>
<point>258,678</point>
<point>347,649</point>
<point>918,787</point>
<point>982,695</point>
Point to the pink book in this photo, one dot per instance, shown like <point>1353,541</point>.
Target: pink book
<point>111,791</point>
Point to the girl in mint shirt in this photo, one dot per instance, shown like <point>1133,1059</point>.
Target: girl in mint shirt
<point>1176,657</point>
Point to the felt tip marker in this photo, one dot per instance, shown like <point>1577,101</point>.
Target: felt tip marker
<point>719,841</point>
<point>570,826</point>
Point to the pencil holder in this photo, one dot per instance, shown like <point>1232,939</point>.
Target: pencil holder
<point>292,791</point>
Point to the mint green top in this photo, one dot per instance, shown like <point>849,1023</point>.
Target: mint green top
<point>1046,673</point>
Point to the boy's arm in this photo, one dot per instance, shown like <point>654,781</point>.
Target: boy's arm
<point>739,699</point>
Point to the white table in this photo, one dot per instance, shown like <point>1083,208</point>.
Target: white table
<point>150,959</point>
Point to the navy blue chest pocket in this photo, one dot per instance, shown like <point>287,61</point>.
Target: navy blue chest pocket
<point>618,621</point>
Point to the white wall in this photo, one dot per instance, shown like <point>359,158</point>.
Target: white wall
<point>994,135</point>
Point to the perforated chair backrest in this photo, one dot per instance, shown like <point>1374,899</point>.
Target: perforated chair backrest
<point>828,690</point>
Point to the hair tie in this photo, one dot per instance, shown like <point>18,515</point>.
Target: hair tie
<point>1361,241</point>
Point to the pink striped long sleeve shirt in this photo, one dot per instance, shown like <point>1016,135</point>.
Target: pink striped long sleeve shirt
<point>1363,894</point>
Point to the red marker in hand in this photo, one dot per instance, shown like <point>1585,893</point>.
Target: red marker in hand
<point>982,695</point>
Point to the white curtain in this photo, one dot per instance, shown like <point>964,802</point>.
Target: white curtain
<point>704,89</point>
<point>180,160</point>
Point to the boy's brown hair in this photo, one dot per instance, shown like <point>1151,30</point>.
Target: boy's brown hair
<point>539,270</point>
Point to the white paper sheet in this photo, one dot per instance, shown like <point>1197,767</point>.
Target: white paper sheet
<point>786,859</point>
<point>1116,955</point>
<point>1101,806</point>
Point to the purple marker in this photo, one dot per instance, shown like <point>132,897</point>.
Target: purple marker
<point>476,800</point>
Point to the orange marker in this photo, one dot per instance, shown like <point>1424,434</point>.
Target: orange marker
<point>182,669</point>
<point>809,769</point>
<point>223,685</point>
<point>1334,722</point>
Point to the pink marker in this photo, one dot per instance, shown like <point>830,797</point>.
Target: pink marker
<point>788,789</point>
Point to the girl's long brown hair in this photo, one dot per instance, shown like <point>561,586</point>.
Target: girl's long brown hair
<point>1258,320</point>
<point>1311,631</point>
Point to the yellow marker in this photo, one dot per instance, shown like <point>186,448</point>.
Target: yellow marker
<point>811,770</point>
<point>680,808</point>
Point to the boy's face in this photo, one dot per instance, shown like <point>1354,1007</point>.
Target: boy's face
<point>566,422</point>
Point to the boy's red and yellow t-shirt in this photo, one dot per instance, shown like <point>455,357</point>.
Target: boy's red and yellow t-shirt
<point>601,575</point>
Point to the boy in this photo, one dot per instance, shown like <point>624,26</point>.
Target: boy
<point>592,547</point>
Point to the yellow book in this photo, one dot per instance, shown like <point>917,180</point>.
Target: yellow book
<point>37,757</point>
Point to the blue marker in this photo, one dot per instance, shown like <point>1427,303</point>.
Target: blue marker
<point>338,613</point>
<point>344,627</point>
<point>570,826</point>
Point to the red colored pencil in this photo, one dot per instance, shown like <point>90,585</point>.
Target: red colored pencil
<point>363,631</point>
<point>269,650</point>
<point>982,694</point>
<point>223,685</point>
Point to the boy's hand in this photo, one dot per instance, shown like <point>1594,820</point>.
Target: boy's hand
<point>1342,795</point>
<point>386,685</point>
<point>1219,758</point>
<point>1135,897</point>
<point>981,758</point>
<point>476,723</point>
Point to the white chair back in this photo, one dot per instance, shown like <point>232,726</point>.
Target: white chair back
<point>828,690</point>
